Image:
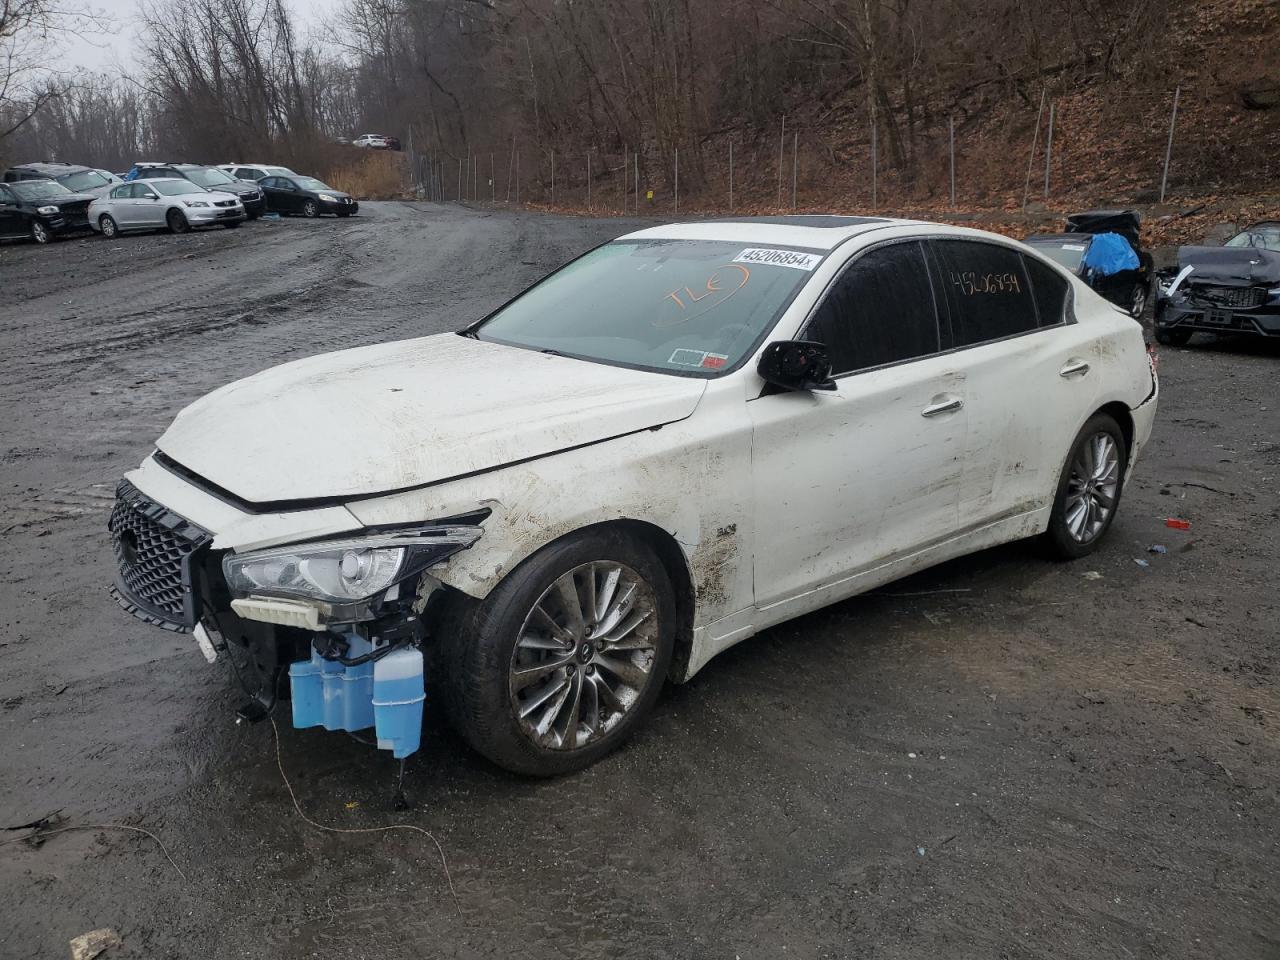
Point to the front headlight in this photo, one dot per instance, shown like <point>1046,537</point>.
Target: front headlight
<point>195,203</point>
<point>48,211</point>
<point>328,199</point>
<point>343,571</point>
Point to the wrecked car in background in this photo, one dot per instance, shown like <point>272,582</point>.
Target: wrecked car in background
<point>545,516</point>
<point>1233,289</point>
<point>1103,248</point>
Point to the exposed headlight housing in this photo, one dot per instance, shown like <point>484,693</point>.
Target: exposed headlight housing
<point>343,571</point>
<point>195,203</point>
<point>48,211</point>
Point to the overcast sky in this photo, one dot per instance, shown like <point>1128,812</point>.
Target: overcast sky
<point>103,52</point>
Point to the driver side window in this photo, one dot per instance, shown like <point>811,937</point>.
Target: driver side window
<point>880,310</point>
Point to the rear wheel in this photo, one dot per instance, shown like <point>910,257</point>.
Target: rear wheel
<point>107,224</point>
<point>177,221</point>
<point>310,209</point>
<point>1138,300</point>
<point>40,232</point>
<point>564,659</point>
<point>1089,489</point>
<point>1172,337</point>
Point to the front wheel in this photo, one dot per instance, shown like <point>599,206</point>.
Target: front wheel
<point>40,232</point>
<point>563,660</point>
<point>177,222</point>
<point>310,209</point>
<point>1172,338</point>
<point>1089,489</point>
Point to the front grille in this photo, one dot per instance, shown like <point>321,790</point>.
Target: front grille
<point>1239,298</point>
<point>225,203</point>
<point>153,549</point>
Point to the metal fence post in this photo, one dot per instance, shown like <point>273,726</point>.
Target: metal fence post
<point>953,162</point>
<point>1035,142</point>
<point>1048,150</point>
<point>459,179</point>
<point>782,145</point>
<point>795,146</point>
<point>588,179</point>
<point>637,183</point>
<point>677,180</point>
<point>731,175</point>
<point>493,181</point>
<point>875,166</point>
<point>517,176</point>
<point>1168,150</point>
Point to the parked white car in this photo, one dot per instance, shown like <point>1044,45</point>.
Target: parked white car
<point>253,172</point>
<point>170,203</point>
<point>373,140</point>
<point>675,441</point>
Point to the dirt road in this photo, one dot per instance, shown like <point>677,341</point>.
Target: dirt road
<point>1002,757</point>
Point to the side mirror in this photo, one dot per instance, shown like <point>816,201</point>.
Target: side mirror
<point>796,365</point>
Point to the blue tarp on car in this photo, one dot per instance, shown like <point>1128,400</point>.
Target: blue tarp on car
<point>1109,253</point>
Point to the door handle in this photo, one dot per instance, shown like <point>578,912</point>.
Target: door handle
<point>1074,368</point>
<point>943,405</point>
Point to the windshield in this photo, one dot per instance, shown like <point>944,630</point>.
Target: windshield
<point>209,177</point>
<point>1264,235</point>
<point>311,183</point>
<point>39,190</point>
<point>173,188</point>
<point>85,180</point>
<point>679,306</point>
<point>1065,253</point>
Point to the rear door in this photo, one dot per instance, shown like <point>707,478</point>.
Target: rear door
<point>1028,366</point>
<point>853,478</point>
<point>12,222</point>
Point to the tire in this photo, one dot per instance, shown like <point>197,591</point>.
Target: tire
<point>1137,301</point>
<point>589,699</point>
<point>177,221</point>
<point>1172,337</point>
<point>41,233</point>
<point>107,224</point>
<point>310,209</point>
<point>1072,535</point>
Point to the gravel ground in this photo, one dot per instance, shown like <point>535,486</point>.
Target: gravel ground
<point>1001,757</point>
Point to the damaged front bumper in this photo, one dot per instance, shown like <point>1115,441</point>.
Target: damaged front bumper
<point>1261,317</point>
<point>339,611</point>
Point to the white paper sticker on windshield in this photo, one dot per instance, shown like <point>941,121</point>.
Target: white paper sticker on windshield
<point>685,357</point>
<point>1073,246</point>
<point>779,258</point>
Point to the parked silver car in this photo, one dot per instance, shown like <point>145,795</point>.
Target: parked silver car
<point>253,172</point>
<point>176,204</point>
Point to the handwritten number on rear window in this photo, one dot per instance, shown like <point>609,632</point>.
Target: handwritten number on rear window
<point>972,284</point>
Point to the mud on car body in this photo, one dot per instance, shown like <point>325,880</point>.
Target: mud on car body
<point>551,513</point>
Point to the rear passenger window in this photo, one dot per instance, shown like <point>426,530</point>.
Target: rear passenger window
<point>988,289</point>
<point>1049,288</point>
<point>879,310</point>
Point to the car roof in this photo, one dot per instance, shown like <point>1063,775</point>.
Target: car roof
<point>817,232</point>
<point>52,167</point>
<point>181,180</point>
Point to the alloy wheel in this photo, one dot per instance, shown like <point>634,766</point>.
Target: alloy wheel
<point>40,233</point>
<point>584,655</point>
<point>1092,487</point>
<point>1138,301</point>
<point>108,226</point>
<point>309,209</point>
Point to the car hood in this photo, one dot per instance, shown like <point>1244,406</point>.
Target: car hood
<point>62,203</point>
<point>382,418</point>
<point>1230,265</point>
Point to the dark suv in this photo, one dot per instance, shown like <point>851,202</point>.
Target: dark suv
<point>211,178</point>
<point>73,176</point>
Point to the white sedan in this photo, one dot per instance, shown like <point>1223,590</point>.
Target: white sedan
<point>161,203</point>
<point>675,441</point>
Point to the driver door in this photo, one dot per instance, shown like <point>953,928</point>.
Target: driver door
<point>850,481</point>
